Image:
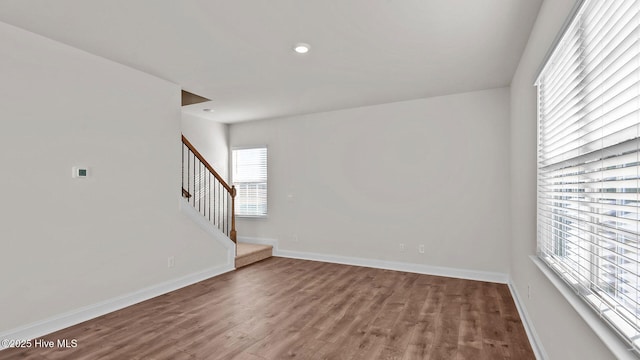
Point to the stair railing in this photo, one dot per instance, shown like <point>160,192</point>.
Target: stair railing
<point>207,191</point>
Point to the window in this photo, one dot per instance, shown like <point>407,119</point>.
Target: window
<point>250,178</point>
<point>589,161</point>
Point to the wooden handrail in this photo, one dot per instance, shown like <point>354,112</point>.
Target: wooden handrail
<point>207,165</point>
<point>230,189</point>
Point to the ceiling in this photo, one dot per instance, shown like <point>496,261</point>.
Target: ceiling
<point>238,53</point>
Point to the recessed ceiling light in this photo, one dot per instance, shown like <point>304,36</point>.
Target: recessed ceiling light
<point>208,110</point>
<point>301,48</point>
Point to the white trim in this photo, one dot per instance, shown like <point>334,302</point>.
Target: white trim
<point>534,339</point>
<point>232,165</point>
<point>381,264</point>
<point>556,41</point>
<point>76,316</point>
<point>258,217</point>
<point>205,225</point>
<point>73,317</point>
<point>247,147</point>
<point>617,346</point>
<point>398,266</point>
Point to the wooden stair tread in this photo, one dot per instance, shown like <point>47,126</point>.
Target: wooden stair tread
<point>243,249</point>
<point>247,254</point>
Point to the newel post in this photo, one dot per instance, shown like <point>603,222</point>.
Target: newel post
<point>232,233</point>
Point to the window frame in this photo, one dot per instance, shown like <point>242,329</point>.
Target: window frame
<point>233,181</point>
<point>603,327</point>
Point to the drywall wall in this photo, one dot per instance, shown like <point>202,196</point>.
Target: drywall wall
<point>68,243</point>
<point>563,334</point>
<point>210,138</point>
<point>360,182</point>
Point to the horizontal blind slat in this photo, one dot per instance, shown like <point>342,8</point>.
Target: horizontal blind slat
<point>589,161</point>
<point>250,179</point>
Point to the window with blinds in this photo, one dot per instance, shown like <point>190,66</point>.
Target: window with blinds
<point>589,163</point>
<point>250,178</point>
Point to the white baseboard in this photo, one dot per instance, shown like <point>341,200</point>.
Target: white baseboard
<point>381,264</point>
<point>59,322</point>
<point>398,266</point>
<point>536,344</point>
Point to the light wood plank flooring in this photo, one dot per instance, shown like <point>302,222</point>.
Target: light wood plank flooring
<point>294,309</point>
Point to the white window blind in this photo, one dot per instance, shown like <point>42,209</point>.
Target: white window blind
<point>250,178</point>
<point>589,164</point>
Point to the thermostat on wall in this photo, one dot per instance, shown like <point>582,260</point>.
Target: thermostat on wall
<point>80,172</point>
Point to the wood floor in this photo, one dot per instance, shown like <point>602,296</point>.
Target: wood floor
<point>293,309</point>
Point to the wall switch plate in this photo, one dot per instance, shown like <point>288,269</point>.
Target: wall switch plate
<point>80,172</point>
<point>171,261</point>
<point>421,249</point>
<point>401,247</point>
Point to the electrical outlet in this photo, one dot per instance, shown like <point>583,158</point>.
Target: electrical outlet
<point>421,249</point>
<point>294,237</point>
<point>401,247</point>
<point>171,261</point>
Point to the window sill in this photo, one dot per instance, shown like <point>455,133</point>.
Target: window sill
<point>608,336</point>
<point>264,217</point>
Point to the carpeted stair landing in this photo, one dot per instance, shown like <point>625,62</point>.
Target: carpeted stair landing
<point>247,254</point>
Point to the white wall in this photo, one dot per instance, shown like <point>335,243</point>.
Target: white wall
<point>358,182</point>
<point>211,139</point>
<point>563,333</point>
<point>68,243</point>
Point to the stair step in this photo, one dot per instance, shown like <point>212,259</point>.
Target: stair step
<point>247,254</point>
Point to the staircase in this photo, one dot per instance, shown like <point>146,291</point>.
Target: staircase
<point>214,199</point>
<point>247,254</point>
